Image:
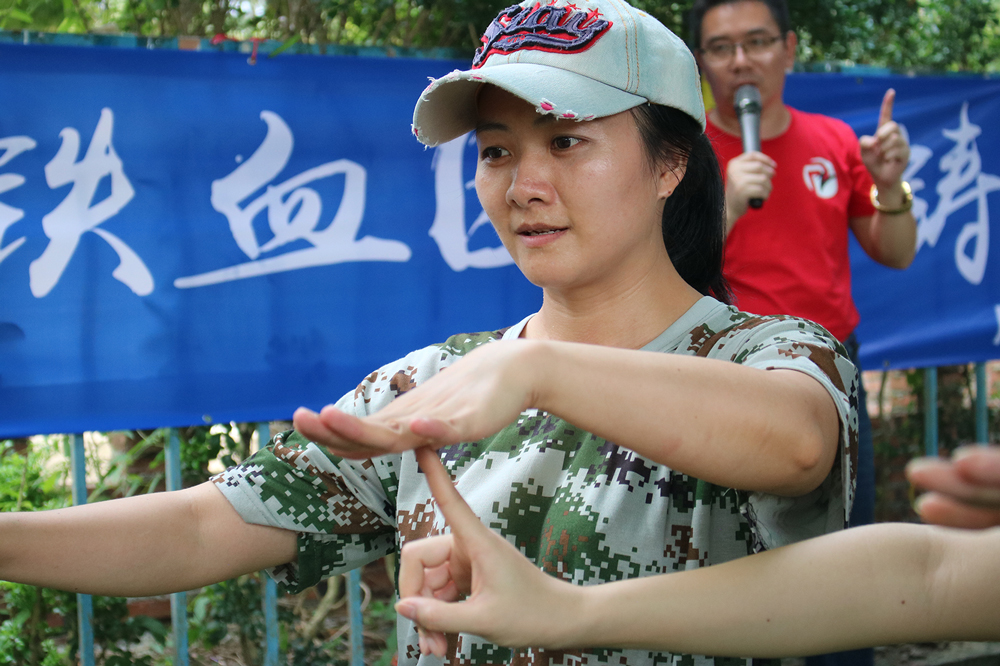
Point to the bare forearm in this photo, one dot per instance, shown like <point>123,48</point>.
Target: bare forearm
<point>895,239</point>
<point>888,238</point>
<point>153,544</point>
<point>870,586</point>
<point>773,431</point>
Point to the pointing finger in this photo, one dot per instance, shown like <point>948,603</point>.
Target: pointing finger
<point>458,514</point>
<point>885,115</point>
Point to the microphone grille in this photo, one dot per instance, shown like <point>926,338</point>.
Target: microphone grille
<point>747,98</point>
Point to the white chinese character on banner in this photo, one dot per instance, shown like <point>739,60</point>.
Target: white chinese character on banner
<point>963,183</point>
<point>12,146</point>
<point>448,229</point>
<point>78,214</point>
<point>293,214</point>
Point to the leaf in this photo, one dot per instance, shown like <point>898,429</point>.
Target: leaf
<point>15,13</point>
<point>287,43</point>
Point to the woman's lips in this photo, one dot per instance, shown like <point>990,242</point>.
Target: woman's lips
<point>540,237</point>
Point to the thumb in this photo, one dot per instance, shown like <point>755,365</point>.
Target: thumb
<point>449,617</point>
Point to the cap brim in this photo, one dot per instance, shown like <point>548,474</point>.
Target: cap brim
<point>447,108</point>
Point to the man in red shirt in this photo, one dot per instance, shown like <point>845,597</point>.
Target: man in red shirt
<point>817,181</point>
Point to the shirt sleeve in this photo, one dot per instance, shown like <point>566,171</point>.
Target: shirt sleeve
<point>341,509</point>
<point>783,342</point>
<point>860,204</point>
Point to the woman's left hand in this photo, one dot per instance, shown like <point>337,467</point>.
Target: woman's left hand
<point>475,397</point>
<point>507,599</point>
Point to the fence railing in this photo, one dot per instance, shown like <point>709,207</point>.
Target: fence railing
<point>931,415</point>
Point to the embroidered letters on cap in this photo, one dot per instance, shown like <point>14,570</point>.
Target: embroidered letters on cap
<point>554,29</point>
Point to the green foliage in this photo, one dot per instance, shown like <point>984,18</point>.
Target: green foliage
<point>922,35</point>
<point>114,631</point>
<point>234,606</point>
<point>232,602</point>
<point>200,445</point>
<point>26,639</point>
<point>25,483</point>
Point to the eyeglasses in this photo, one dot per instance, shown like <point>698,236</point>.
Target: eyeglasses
<point>722,52</point>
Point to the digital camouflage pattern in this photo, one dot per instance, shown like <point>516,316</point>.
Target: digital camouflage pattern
<point>584,509</point>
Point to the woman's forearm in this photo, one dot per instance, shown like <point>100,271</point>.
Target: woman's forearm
<point>773,431</point>
<point>139,546</point>
<point>877,585</point>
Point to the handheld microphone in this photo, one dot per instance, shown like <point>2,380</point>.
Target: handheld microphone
<point>747,105</point>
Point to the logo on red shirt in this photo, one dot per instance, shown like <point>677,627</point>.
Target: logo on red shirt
<point>820,177</point>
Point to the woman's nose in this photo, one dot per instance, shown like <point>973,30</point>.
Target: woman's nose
<point>530,181</point>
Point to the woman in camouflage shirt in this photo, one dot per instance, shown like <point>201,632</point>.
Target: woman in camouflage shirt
<point>635,425</point>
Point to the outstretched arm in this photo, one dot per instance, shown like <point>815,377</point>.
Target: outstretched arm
<point>139,546</point>
<point>741,427</point>
<point>873,585</point>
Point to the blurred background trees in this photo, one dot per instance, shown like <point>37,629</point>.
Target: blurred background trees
<point>918,35</point>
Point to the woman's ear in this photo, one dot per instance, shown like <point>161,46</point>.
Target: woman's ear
<point>669,178</point>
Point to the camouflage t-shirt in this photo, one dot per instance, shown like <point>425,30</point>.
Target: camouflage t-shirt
<point>582,508</point>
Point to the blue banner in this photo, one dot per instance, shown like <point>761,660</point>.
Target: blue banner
<point>945,308</point>
<point>186,238</point>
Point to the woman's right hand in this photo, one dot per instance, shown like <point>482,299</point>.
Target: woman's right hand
<point>474,398</point>
<point>507,599</point>
<point>964,491</point>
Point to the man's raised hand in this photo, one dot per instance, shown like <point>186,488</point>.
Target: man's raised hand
<point>887,153</point>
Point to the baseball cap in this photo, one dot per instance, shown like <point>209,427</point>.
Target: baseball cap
<point>576,59</point>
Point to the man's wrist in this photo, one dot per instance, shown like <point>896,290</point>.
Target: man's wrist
<point>892,200</point>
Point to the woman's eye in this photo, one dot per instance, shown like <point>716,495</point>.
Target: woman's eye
<point>494,153</point>
<point>564,142</point>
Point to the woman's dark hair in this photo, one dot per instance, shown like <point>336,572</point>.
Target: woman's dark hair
<point>694,216</point>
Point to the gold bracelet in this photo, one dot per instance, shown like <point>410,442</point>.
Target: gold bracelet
<point>904,207</point>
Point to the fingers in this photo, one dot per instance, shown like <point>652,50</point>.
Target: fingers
<point>885,114</point>
<point>435,430</point>
<point>460,517</point>
<point>979,464</point>
<point>755,161</point>
<point>939,509</point>
<point>348,436</point>
<point>945,478</point>
<point>887,153</point>
<point>418,559</point>
<point>748,176</point>
<point>436,618</point>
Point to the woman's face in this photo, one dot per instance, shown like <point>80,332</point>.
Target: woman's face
<point>575,203</point>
